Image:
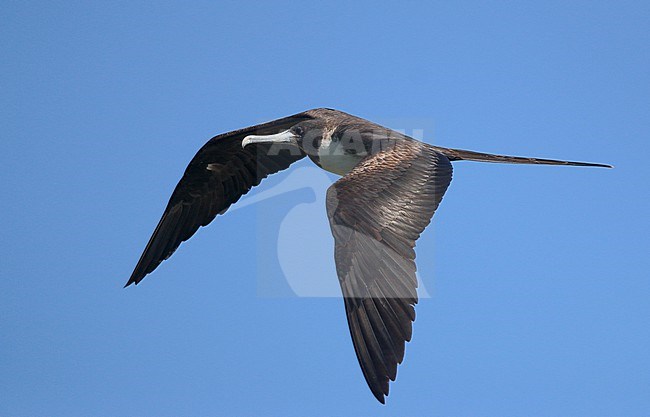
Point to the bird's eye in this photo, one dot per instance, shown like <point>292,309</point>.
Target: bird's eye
<point>298,130</point>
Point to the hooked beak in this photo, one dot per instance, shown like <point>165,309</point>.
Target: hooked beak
<point>282,137</point>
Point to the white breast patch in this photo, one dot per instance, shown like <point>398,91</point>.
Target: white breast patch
<point>332,157</point>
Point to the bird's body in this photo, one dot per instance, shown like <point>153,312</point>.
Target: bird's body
<point>390,188</point>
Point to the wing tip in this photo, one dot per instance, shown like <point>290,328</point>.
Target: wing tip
<point>134,279</point>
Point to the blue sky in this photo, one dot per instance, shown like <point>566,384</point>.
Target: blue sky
<point>537,276</point>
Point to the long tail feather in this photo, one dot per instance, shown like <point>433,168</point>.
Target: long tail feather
<point>462,155</point>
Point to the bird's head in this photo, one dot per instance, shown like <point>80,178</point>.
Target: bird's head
<point>320,138</point>
<point>307,135</point>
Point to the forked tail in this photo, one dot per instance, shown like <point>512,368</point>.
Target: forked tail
<point>462,155</point>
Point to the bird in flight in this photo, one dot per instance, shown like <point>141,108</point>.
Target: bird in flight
<point>390,187</point>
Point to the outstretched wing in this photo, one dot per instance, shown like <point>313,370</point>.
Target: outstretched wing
<point>376,214</point>
<point>218,175</point>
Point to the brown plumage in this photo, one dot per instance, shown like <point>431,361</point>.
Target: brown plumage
<point>391,186</point>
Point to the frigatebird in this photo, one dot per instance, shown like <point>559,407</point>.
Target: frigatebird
<point>391,186</point>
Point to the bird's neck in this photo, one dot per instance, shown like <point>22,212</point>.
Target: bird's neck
<point>335,156</point>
